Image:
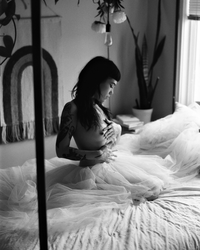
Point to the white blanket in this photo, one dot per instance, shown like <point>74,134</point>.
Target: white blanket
<point>171,222</point>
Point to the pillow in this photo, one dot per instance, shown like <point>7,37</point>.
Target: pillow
<point>163,131</point>
<point>196,107</point>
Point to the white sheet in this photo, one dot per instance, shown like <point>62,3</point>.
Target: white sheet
<point>171,222</point>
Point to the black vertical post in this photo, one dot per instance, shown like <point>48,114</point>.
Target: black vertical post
<point>175,53</point>
<point>39,131</point>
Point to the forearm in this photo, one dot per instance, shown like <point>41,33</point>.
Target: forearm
<point>77,154</point>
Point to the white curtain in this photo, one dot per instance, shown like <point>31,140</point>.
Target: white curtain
<point>187,56</point>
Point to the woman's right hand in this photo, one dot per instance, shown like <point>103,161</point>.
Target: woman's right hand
<point>111,132</point>
<point>107,154</point>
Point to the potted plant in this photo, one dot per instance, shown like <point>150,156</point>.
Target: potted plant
<point>144,71</point>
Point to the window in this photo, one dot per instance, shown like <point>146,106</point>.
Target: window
<point>188,68</point>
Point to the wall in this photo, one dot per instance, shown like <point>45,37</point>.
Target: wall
<point>80,43</point>
<point>163,101</point>
<point>123,50</point>
<point>126,92</point>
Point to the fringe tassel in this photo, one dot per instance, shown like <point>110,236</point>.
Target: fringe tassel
<point>26,130</point>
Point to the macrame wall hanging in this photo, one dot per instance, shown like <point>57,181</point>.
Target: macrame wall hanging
<point>16,98</point>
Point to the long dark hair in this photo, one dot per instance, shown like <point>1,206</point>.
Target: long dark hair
<point>96,71</point>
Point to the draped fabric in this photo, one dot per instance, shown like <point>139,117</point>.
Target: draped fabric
<point>78,196</point>
<point>17,95</point>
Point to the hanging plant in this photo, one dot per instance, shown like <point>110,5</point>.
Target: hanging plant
<point>7,14</point>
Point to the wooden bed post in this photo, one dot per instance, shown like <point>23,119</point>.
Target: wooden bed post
<point>39,131</point>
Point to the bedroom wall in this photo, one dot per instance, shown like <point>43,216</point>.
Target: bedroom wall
<point>126,92</point>
<point>80,43</point>
<point>163,101</point>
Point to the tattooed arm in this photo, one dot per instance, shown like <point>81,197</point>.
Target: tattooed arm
<point>67,128</point>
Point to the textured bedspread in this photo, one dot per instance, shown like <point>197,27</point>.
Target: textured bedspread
<point>170,222</point>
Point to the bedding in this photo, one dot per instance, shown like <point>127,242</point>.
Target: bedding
<point>170,222</point>
<point>161,133</point>
<point>81,217</point>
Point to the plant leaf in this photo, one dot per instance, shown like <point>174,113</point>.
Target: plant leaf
<point>8,41</point>
<point>153,90</point>
<point>158,24</point>
<point>10,12</point>
<point>158,52</point>
<point>3,5</point>
<point>4,52</point>
<point>145,59</point>
<point>140,76</point>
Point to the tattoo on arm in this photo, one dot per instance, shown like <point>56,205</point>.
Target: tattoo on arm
<point>74,155</point>
<point>66,126</point>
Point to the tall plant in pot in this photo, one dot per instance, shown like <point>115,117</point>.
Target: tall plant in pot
<point>145,71</point>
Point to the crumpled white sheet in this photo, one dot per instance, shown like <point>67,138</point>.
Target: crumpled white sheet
<point>171,222</point>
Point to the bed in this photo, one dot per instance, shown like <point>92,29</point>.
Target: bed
<point>172,221</point>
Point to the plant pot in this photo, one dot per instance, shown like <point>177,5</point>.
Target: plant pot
<point>143,114</point>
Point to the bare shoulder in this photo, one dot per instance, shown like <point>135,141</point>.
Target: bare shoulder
<point>70,108</point>
<point>69,115</point>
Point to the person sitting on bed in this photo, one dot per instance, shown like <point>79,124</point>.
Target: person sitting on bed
<point>86,119</point>
<point>97,136</point>
<point>104,172</point>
